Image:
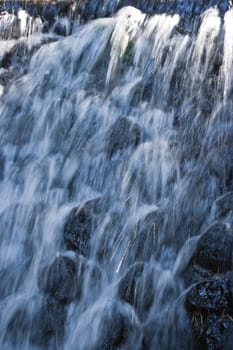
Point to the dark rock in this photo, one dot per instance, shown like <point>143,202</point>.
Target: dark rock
<point>136,288</point>
<point>17,56</point>
<point>223,206</point>
<point>214,249</point>
<point>8,75</point>
<point>209,295</point>
<point>122,135</point>
<point>146,235</point>
<point>194,273</point>
<point>117,329</point>
<point>2,166</point>
<point>18,325</point>
<point>229,282</point>
<point>49,12</point>
<point>59,279</point>
<point>62,27</point>
<point>79,227</point>
<point>41,322</point>
<point>217,333</point>
<point>48,323</point>
<point>220,158</point>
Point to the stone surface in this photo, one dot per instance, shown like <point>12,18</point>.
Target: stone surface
<point>217,333</point>
<point>41,323</point>
<point>209,295</point>
<point>223,207</point>
<point>59,279</point>
<point>214,249</point>
<point>123,134</point>
<point>80,226</point>
<point>136,288</point>
<point>117,329</point>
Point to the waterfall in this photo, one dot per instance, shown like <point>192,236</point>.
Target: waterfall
<point>115,152</point>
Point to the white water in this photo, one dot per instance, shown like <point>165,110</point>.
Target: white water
<point>54,126</point>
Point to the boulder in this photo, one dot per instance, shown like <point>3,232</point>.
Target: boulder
<point>59,279</point>
<point>2,164</point>
<point>17,56</point>
<point>223,206</point>
<point>214,249</point>
<point>136,288</point>
<point>62,27</point>
<point>118,328</point>
<point>194,273</point>
<point>80,226</point>
<point>146,235</point>
<point>48,324</point>
<point>123,134</point>
<point>39,322</point>
<point>217,333</point>
<point>209,295</point>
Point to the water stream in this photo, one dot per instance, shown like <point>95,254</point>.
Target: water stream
<point>130,118</point>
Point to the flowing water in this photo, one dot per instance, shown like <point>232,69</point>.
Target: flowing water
<point>62,120</point>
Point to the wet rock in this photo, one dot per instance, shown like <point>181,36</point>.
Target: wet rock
<point>220,159</point>
<point>40,322</point>
<point>223,206</point>
<point>49,13</point>
<point>146,234</point>
<point>194,273</point>
<point>59,279</point>
<point>214,249</point>
<point>2,164</point>
<point>123,134</point>
<point>79,227</point>
<point>17,56</point>
<point>62,27</point>
<point>8,75</point>
<point>209,295</point>
<point>19,325</point>
<point>217,333</point>
<point>136,288</point>
<point>48,322</point>
<point>118,328</point>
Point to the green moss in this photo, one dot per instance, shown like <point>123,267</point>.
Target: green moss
<point>128,55</point>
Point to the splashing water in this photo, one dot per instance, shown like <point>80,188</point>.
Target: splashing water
<point>128,119</point>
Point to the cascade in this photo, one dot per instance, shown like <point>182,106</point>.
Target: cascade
<point>116,179</point>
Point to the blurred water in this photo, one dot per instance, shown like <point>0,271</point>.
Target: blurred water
<point>56,119</point>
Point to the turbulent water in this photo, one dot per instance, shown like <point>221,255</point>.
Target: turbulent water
<point>134,114</point>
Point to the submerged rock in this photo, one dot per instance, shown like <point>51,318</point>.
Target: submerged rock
<point>2,163</point>
<point>217,333</point>
<point>48,323</point>
<point>123,134</point>
<point>146,235</point>
<point>59,279</point>
<point>209,295</point>
<point>136,288</point>
<point>79,227</point>
<point>214,249</point>
<point>62,27</point>
<point>118,328</point>
<point>223,206</point>
<point>39,323</point>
